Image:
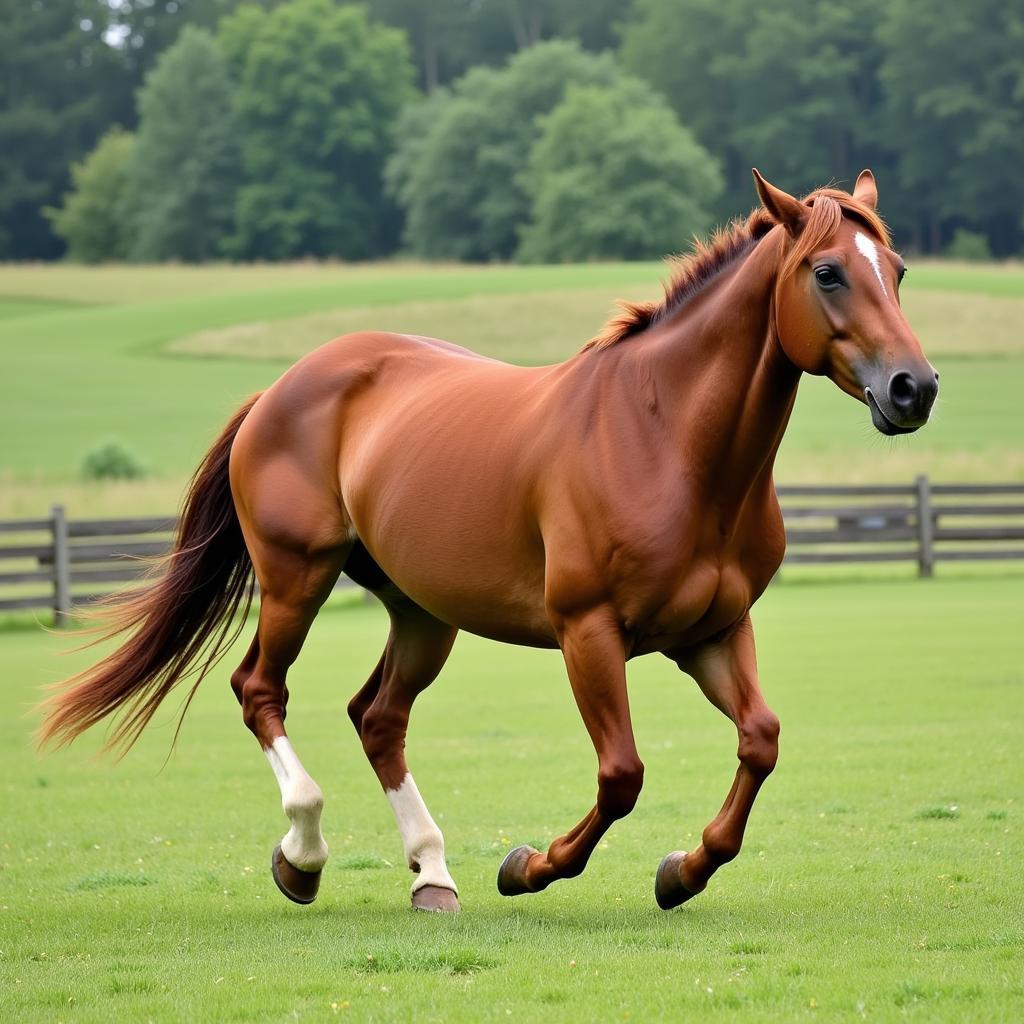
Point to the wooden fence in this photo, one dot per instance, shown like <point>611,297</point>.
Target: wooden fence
<point>57,563</point>
<point>924,523</point>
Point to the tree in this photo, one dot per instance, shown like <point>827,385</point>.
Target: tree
<point>437,33</point>
<point>145,29</point>
<point>961,132</point>
<point>91,221</point>
<point>592,23</point>
<point>790,88</point>
<point>458,166</point>
<point>319,88</point>
<point>806,101</point>
<point>450,36</point>
<point>58,85</point>
<point>613,175</point>
<point>185,172</point>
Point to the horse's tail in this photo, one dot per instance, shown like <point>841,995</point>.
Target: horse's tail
<point>177,623</point>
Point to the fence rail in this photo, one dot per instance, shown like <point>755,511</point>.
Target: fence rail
<point>921,522</point>
<point>58,563</point>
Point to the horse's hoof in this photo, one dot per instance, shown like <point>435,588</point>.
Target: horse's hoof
<point>669,890</point>
<point>512,873</point>
<point>435,898</point>
<point>299,886</point>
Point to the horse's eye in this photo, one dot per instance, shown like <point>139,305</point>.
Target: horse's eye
<point>827,278</point>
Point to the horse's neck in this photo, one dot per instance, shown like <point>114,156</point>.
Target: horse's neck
<point>725,387</point>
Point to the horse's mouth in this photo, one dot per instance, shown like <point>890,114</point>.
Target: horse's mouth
<point>881,421</point>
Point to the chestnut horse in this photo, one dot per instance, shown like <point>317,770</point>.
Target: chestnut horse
<point>617,504</point>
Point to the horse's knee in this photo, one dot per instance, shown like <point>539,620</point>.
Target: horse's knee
<point>759,741</point>
<point>619,786</point>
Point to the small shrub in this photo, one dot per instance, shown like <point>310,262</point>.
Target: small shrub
<point>970,246</point>
<point>112,461</point>
<point>938,813</point>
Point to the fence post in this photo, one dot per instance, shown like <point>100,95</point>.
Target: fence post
<point>925,533</point>
<point>61,567</point>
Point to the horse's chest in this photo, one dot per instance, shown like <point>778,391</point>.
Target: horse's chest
<point>706,601</point>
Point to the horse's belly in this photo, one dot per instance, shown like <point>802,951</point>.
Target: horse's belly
<point>449,525</point>
<point>494,597</point>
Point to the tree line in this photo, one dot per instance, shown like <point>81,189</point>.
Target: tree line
<point>539,130</point>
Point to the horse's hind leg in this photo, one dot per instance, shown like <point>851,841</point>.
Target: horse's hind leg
<point>417,649</point>
<point>293,585</point>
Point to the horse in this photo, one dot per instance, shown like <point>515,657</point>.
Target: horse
<point>618,504</point>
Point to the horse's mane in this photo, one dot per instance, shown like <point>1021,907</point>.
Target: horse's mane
<point>691,272</point>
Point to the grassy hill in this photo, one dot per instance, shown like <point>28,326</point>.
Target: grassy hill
<point>157,358</point>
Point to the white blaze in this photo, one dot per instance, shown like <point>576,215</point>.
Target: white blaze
<point>421,838</point>
<point>867,248</point>
<point>302,800</point>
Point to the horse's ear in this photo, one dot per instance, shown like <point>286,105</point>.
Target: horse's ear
<point>866,189</point>
<point>783,207</point>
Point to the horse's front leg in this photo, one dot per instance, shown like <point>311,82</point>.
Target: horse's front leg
<point>595,660</point>
<point>727,673</point>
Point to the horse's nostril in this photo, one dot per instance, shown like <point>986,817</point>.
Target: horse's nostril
<point>902,390</point>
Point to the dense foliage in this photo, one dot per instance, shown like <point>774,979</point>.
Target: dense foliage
<point>460,156</point>
<point>58,94</point>
<point>181,185</point>
<point>600,190</point>
<point>298,106</point>
<point>92,220</point>
<point>319,87</point>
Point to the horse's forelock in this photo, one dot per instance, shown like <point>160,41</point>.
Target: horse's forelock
<point>828,207</point>
<point>822,223</point>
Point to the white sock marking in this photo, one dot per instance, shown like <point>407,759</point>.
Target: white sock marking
<point>302,801</point>
<point>867,248</point>
<point>421,838</point>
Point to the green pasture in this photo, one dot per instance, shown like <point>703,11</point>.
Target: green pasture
<point>880,879</point>
<point>158,357</point>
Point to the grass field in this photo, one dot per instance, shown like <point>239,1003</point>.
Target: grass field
<point>158,358</point>
<point>881,875</point>
<point>880,879</point>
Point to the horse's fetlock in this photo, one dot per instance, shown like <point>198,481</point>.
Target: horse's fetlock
<point>559,857</point>
<point>421,845</point>
<point>303,800</point>
<point>720,844</point>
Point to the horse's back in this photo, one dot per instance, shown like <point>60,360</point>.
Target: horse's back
<point>431,452</point>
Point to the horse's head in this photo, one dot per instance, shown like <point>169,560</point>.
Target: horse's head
<point>837,305</point>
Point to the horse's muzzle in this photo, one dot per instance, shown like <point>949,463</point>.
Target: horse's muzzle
<point>904,403</point>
